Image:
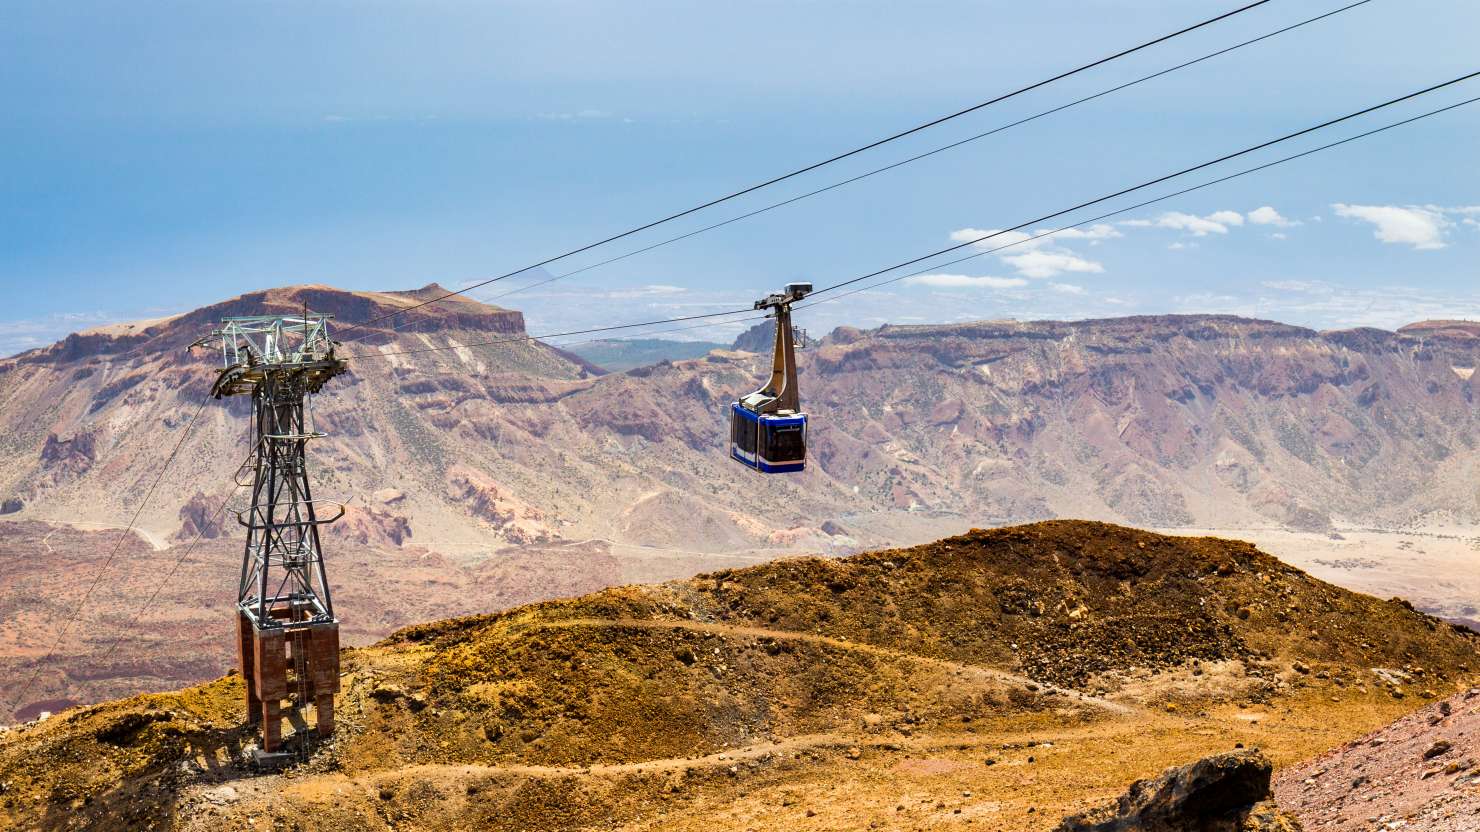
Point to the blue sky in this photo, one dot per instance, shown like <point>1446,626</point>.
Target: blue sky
<point>157,156</point>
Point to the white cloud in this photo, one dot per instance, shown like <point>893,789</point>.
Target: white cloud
<point>963,281</point>
<point>1039,263</point>
<point>25,334</point>
<point>1306,286</point>
<point>1267,215</point>
<point>1095,233</point>
<point>650,290</point>
<point>1419,226</point>
<point>1279,235</point>
<point>1034,255</point>
<point>1067,288</point>
<point>1215,223</point>
<point>1386,307</point>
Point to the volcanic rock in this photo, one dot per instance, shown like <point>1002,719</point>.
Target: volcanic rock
<point>1223,793</point>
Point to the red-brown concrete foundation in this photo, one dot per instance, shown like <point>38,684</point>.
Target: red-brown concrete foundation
<point>271,663</point>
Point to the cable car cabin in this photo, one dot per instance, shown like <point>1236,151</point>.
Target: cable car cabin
<point>768,430</point>
<point>772,443</point>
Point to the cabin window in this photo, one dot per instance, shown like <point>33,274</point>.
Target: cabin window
<point>742,433</point>
<point>785,443</point>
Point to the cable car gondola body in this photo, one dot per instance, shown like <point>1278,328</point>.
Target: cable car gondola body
<point>768,430</point>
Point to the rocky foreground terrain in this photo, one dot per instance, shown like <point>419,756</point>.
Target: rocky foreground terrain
<point>1421,773</point>
<point>999,680</point>
<point>482,475</point>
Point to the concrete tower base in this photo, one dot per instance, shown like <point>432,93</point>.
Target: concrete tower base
<point>298,662</point>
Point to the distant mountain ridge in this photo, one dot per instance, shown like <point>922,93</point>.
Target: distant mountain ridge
<point>1165,421</point>
<point>621,355</point>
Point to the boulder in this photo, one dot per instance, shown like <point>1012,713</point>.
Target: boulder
<point>834,528</point>
<point>1222,793</point>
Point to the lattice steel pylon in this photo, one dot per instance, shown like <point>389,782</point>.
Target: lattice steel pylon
<point>287,635</point>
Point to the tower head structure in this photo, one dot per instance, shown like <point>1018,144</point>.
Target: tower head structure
<point>287,633</point>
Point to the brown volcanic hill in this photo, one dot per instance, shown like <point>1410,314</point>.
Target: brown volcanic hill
<point>895,689</point>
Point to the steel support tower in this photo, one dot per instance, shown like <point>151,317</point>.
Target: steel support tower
<point>287,635</point>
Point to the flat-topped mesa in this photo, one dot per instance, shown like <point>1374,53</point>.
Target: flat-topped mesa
<point>374,317</point>
<point>1139,333</point>
<point>1459,330</point>
<point>429,309</point>
<point>1133,328</point>
<point>363,317</point>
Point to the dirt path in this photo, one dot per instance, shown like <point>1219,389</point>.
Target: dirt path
<point>723,759</point>
<point>248,788</point>
<point>977,671</point>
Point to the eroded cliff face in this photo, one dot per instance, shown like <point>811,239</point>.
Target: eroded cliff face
<point>1161,421</point>
<point>88,421</point>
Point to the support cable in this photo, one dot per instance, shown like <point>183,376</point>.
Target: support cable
<point>1122,192</point>
<point>107,562</point>
<point>1158,180</point>
<point>523,338</point>
<point>1139,205</point>
<point>943,148</point>
<point>199,533</point>
<point>828,161</point>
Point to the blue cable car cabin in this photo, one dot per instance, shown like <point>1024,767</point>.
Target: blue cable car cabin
<point>768,430</point>
<point>769,443</point>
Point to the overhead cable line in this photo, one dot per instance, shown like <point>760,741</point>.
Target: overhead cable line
<point>943,148</point>
<point>1143,204</point>
<point>828,161</point>
<point>199,533</point>
<point>522,338</point>
<point>107,562</point>
<point>1158,180</point>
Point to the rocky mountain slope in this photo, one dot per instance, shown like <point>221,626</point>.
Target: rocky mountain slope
<point>1169,421</point>
<point>1004,677</point>
<point>486,460</point>
<point>1421,773</point>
